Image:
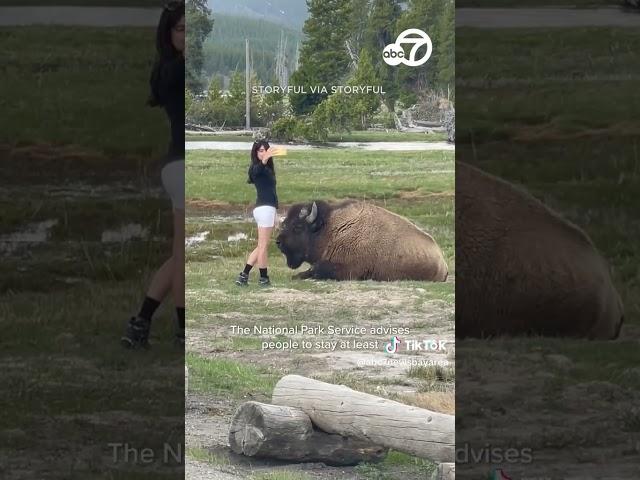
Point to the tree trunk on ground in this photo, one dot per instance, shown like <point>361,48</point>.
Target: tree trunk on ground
<point>338,409</point>
<point>446,471</point>
<point>285,433</point>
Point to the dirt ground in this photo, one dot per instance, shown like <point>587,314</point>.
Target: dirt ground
<point>208,416</point>
<point>576,425</point>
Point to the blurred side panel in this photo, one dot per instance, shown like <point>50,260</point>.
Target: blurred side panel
<point>84,222</point>
<point>547,197</point>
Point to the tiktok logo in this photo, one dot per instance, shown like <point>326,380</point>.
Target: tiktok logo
<point>392,346</point>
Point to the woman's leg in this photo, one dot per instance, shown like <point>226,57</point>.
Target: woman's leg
<point>258,256</point>
<point>243,278</point>
<point>264,235</point>
<point>161,281</point>
<point>170,276</point>
<point>177,282</point>
<point>253,257</point>
<point>137,331</point>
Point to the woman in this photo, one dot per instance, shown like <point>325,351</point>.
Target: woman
<point>167,91</point>
<point>263,175</point>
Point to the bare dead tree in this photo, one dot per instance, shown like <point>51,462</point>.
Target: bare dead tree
<point>282,72</point>
<point>353,65</point>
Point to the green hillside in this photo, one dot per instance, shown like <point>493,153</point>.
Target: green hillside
<point>224,49</point>
<point>291,13</point>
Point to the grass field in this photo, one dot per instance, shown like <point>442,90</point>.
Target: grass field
<point>553,56</point>
<point>577,93</point>
<point>418,185</point>
<point>561,121</point>
<point>84,224</point>
<point>82,86</point>
<point>362,136</point>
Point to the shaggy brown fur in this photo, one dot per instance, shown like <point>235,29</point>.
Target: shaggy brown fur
<point>359,241</point>
<point>522,269</point>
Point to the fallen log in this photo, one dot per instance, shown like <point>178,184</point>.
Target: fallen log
<point>285,433</point>
<point>338,409</point>
<point>446,471</point>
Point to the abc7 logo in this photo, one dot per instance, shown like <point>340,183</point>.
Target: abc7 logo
<point>393,54</point>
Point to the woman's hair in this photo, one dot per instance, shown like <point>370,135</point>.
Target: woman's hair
<point>255,160</point>
<point>165,51</point>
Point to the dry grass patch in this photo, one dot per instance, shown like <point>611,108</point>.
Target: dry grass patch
<point>442,402</point>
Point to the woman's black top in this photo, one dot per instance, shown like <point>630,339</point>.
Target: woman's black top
<point>265,181</point>
<point>169,92</point>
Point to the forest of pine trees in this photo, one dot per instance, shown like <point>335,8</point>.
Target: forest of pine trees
<point>224,50</point>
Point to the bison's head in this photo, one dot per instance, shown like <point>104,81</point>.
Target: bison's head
<point>297,232</point>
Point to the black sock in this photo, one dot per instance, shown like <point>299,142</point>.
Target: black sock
<point>149,307</point>
<point>180,311</point>
<point>247,269</point>
<point>263,273</point>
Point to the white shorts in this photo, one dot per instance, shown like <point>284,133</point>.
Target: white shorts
<point>265,216</point>
<point>173,183</point>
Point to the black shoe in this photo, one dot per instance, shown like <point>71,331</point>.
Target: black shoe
<point>137,333</point>
<point>264,282</point>
<point>242,280</point>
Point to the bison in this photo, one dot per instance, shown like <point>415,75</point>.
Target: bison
<point>353,240</point>
<point>523,269</point>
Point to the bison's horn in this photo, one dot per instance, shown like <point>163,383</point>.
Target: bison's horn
<point>303,213</point>
<point>314,213</point>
